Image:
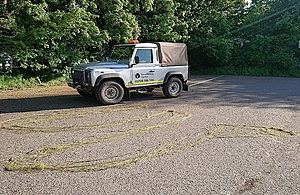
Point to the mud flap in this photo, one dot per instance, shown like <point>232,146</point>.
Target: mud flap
<point>127,94</point>
<point>185,87</point>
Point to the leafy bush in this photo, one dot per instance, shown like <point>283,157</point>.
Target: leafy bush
<point>275,51</point>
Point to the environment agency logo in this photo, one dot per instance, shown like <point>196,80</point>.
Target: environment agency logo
<point>137,75</point>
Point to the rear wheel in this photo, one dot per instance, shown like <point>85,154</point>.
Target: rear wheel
<point>109,92</point>
<point>173,87</point>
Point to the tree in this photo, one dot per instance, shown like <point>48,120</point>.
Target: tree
<point>210,23</point>
<point>272,34</point>
<point>53,34</point>
<point>7,22</point>
<point>49,38</point>
<point>162,23</point>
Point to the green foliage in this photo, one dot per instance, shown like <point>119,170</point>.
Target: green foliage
<point>53,40</point>
<point>118,18</point>
<point>267,50</point>
<point>18,82</point>
<point>273,42</point>
<point>163,23</point>
<point>125,23</point>
<point>49,35</point>
<point>211,53</point>
<point>210,42</point>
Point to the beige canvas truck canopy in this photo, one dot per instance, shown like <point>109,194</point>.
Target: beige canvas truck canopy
<point>171,54</point>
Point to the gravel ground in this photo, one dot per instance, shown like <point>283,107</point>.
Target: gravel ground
<point>227,135</point>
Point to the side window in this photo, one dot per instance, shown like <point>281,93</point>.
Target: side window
<point>145,55</point>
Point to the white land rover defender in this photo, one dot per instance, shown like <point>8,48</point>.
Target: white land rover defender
<point>139,66</point>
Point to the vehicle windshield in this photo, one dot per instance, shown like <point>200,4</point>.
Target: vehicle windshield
<point>121,54</point>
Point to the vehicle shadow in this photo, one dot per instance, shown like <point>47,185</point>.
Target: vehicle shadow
<point>257,92</point>
<point>45,103</point>
<point>62,102</point>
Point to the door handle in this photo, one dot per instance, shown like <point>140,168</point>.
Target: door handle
<point>151,71</point>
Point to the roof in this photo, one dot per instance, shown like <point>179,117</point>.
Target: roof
<point>139,45</point>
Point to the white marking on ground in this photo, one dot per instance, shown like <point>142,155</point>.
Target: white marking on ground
<point>205,81</point>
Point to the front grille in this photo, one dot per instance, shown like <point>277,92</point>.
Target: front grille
<point>81,77</point>
<point>78,77</point>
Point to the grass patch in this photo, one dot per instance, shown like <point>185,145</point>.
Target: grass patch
<point>9,82</point>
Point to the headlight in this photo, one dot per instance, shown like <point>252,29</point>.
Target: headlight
<point>88,76</point>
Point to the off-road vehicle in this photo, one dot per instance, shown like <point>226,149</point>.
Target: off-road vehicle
<point>134,66</point>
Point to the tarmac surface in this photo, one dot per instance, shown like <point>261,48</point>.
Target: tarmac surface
<point>227,135</point>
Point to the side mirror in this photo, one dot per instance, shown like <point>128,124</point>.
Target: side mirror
<point>137,59</point>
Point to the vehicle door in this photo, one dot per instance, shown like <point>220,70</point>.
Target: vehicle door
<point>143,70</point>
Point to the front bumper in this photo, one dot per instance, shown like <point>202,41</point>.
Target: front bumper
<point>79,79</point>
<point>72,84</point>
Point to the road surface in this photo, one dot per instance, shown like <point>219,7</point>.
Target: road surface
<point>227,135</point>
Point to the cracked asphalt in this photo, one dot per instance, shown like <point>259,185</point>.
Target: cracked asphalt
<point>227,135</point>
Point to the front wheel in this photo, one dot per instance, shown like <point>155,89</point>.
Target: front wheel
<point>109,92</point>
<point>173,87</point>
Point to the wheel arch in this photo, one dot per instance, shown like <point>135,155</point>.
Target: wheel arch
<point>173,74</point>
<point>113,77</point>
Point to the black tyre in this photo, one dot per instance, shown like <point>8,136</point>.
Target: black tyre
<point>84,93</point>
<point>173,87</point>
<point>109,92</point>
